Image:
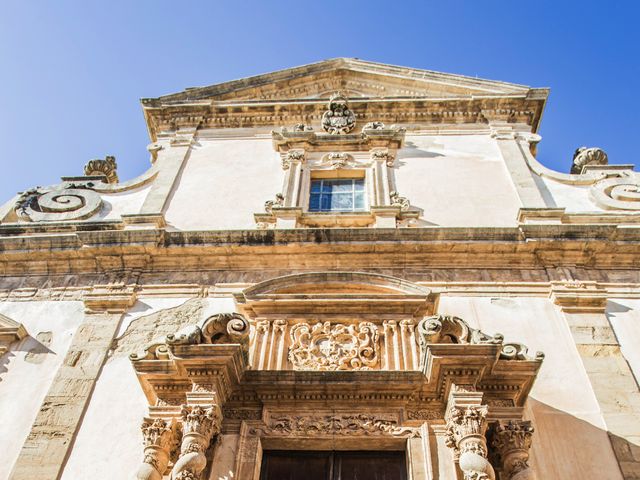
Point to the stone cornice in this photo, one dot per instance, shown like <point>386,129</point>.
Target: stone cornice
<point>579,297</point>
<point>519,109</point>
<point>526,246</point>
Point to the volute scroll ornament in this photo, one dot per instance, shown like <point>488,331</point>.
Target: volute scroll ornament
<point>68,201</point>
<point>339,119</point>
<point>450,329</point>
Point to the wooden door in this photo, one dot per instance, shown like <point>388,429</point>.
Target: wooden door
<point>342,465</point>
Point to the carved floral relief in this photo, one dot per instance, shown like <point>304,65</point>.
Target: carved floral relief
<point>324,346</point>
<point>339,119</point>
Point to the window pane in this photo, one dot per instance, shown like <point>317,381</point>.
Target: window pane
<point>314,201</point>
<point>342,201</point>
<point>359,201</point>
<point>326,186</point>
<point>342,186</point>
<point>315,185</point>
<point>359,185</point>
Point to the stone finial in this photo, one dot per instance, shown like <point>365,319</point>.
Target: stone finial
<point>511,442</point>
<point>199,425</point>
<point>466,427</point>
<point>158,438</point>
<point>339,119</point>
<point>584,156</point>
<point>106,167</point>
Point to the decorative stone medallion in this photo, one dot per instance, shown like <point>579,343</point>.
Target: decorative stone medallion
<point>338,347</point>
<point>339,119</point>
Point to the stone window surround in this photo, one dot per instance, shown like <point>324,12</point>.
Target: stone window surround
<point>383,209</point>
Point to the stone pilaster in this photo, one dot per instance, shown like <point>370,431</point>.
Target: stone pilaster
<point>511,441</point>
<point>583,306</point>
<point>51,438</point>
<point>170,161</point>
<point>199,425</point>
<point>466,426</point>
<point>514,147</point>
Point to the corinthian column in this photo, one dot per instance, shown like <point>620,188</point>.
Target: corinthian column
<point>158,437</point>
<point>466,427</point>
<point>512,441</point>
<point>199,425</point>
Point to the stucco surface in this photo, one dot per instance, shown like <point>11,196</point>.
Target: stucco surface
<point>223,183</point>
<point>108,443</point>
<point>457,180</point>
<point>562,398</point>
<point>24,383</point>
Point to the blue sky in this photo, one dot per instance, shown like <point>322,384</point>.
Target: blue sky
<point>72,72</point>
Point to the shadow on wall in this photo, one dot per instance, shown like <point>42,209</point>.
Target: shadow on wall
<point>565,446</point>
<point>36,350</point>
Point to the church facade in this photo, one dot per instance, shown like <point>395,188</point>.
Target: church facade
<point>337,271</point>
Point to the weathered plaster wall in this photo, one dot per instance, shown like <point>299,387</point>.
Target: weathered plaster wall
<point>562,399</point>
<point>224,182</point>
<point>109,442</point>
<point>457,180</point>
<point>27,370</point>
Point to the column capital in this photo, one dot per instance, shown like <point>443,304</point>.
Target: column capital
<point>511,441</point>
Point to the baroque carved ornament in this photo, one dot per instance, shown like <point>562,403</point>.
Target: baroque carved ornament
<point>106,167</point>
<point>68,201</point>
<point>339,119</point>
<point>334,347</point>
<point>343,425</point>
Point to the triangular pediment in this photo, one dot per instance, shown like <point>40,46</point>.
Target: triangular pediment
<point>353,77</point>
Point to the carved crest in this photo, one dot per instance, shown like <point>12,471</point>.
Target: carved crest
<point>339,119</point>
<point>338,347</point>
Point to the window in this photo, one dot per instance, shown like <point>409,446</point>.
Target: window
<point>337,195</point>
<point>345,465</point>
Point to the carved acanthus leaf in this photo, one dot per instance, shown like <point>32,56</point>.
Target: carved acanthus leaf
<point>334,347</point>
<point>450,329</point>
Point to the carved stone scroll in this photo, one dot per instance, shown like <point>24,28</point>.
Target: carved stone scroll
<point>69,201</point>
<point>199,425</point>
<point>466,427</point>
<point>158,437</point>
<point>339,119</point>
<point>511,442</point>
<point>619,193</point>
<point>338,347</point>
